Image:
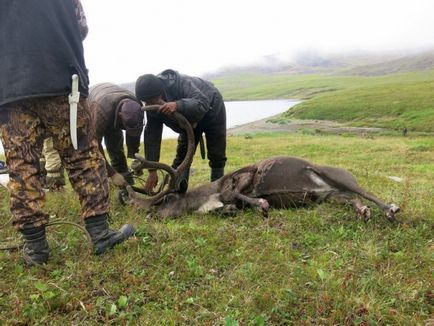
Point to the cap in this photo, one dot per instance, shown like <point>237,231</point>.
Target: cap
<point>132,117</point>
<point>148,87</point>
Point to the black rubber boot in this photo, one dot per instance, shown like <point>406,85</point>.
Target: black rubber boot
<point>217,173</point>
<point>35,251</point>
<point>102,237</point>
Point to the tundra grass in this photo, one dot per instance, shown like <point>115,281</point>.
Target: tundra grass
<point>309,266</point>
<point>391,101</point>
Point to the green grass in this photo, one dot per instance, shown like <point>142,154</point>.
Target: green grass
<point>310,266</point>
<point>392,101</point>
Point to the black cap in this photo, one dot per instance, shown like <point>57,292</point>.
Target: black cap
<point>148,87</point>
<point>132,117</point>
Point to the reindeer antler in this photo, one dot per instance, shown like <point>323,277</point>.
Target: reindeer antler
<point>173,173</point>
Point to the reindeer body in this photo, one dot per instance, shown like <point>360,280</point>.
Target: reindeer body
<point>279,182</point>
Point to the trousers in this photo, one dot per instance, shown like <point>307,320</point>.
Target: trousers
<point>23,127</point>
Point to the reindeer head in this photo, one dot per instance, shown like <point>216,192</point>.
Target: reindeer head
<point>171,204</point>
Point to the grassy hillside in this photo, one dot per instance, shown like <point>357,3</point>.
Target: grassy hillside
<point>388,90</point>
<point>392,101</point>
<point>421,62</point>
<point>309,266</point>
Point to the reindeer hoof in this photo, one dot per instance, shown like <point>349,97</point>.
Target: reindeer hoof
<point>265,206</point>
<point>364,213</point>
<point>390,213</point>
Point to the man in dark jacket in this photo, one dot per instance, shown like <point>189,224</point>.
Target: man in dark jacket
<point>199,101</point>
<point>116,109</point>
<point>41,47</point>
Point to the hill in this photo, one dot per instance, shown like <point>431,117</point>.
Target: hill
<point>392,90</point>
<point>357,63</point>
<point>395,93</point>
<point>419,62</point>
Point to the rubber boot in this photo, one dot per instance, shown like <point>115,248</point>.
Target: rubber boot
<point>104,238</point>
<point>217,173</point>
<point>35,251</point>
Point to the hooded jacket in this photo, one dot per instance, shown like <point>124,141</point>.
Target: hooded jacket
<point>105,100</point>
<point>197,99</point>
<point>40,49</point>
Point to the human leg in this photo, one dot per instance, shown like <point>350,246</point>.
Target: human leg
<point>114,142</point>
<point>22,135</point>
<point>86,170</point>
<point>216,150</point>
<point>181,152</point>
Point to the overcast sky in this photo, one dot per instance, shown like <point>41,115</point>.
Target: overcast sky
<point>128,38</point>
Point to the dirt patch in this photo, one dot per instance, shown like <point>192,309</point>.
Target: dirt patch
<point>326,126</point>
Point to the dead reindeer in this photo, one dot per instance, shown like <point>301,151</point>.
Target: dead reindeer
<point>279,182</point>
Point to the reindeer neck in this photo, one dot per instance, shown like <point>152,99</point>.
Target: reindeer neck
<point>196,197</point>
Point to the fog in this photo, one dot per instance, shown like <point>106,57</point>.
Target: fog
<point>132,37</point>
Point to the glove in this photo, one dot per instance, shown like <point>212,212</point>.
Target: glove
<point>136,166</point>
<point>118,180</point>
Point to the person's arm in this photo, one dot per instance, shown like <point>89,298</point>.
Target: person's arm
<point>81,19</point>
<point>109,168</point>
<point>133,145</point>
<point>152,137</point>
<point>117,178</point>
<point>152,140</point>
<point>194,104</point>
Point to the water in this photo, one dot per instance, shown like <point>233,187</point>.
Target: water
<point>241,112</point>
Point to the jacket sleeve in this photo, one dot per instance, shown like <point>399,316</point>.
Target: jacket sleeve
<point>193,104</point>
<point>133,145</point>
<point>110,170</point>
<point>152,137</point>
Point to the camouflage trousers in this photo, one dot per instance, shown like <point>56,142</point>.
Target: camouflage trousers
<point>23,127</point>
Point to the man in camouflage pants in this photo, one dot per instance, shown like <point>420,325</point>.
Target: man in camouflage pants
<point>35,78</point>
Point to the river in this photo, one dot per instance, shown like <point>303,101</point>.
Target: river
<point>241,112</point>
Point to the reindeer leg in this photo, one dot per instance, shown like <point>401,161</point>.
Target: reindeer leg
<point>363,212</point>
<point>343,179</point>
<point>241,182</point>
<point>259,202</point>
<point>389,210</point>
<point>227,210</point>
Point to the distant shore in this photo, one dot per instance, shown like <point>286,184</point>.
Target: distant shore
<point>265,125</point>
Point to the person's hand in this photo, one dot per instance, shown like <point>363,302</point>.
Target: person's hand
<point>151,181</point>
<point>136,166</point>
<point>118,180</point>
<point>168,108</point>
<point>154,101</point>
